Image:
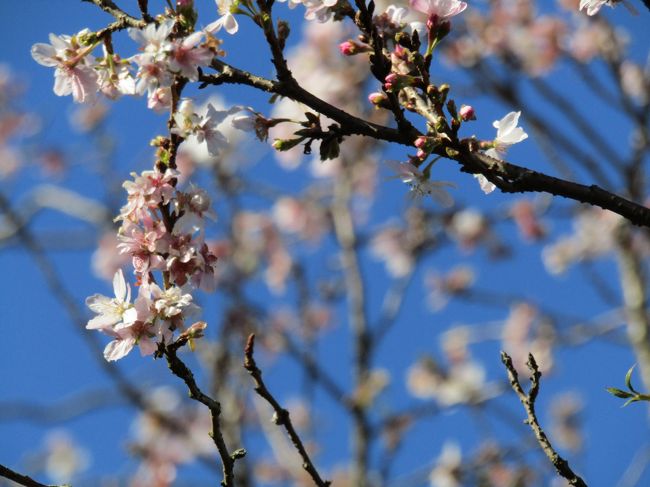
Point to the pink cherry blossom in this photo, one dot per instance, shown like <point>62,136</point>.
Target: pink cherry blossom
<point>144,245</point>
<point>74,72</point>
<point>187,55</point>
<point>443,9</point>
<point>146,192</point>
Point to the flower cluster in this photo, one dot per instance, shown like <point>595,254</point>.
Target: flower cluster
<point>162,56</point>
<point>162,230</point>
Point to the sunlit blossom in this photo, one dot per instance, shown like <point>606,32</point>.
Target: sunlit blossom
<point>112,311</point>
<point>227,20</point>
<point>74,74</point>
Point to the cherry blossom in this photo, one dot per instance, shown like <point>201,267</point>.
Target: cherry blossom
<point>420,184</point>
<point>508,133</point>
<point>227,21</point>
<point>74,72</point>
<point>112,311</point>
<point>441,8</point>
<point>193,207</point>
<point>203,128</point>
<point>187,55</point>
<point>153,38</point>
<point>145,245</point>
<point>146,192</point>
<point>171,302</point>
<point>593,6</point>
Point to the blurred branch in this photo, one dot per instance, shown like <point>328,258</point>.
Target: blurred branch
<point>528,400</point>
<point>65,410</point>
<point>281,415</point>
<point>316,373</point>
<point>345,232</point>
<point>569,110</point>
<point>635,292</point>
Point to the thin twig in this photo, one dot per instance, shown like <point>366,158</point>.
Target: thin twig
<point>528,400</point>
<point>281,415</point>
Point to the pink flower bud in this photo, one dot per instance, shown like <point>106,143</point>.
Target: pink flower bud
<point>420,142</point>
<point>466,113</point>
<point>377,98</point>
<point>390,80</point>
<point>347,48</point>
<point>420,154</point>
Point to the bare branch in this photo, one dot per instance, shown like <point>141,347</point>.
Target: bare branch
<point>19,478</point>
<point>179,369</point>
<point>281,415</point>
<point>528,400</point>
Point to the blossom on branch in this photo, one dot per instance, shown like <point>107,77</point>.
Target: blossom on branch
<point>593,6</point>
<point>227,21</point>
<point>508,133</point>
<point>443,9</point>
<point>74,74</point>
<point>112,311</point>
<point>420,184</point>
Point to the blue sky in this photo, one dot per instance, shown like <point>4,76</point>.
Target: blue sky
<point>44,360</point>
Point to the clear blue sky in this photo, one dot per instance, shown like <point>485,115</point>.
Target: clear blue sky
<point>43,359</point>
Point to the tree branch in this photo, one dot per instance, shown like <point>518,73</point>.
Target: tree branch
<point>509,178</point>
<point>281,415</point>
<point>179,369</point>
<point>120,15</point>
<point>19,478</point>
<point>528,400</point>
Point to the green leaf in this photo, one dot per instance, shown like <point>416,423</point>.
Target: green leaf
<point>628,379</point>
<point>630,401</point>
<point>619,393</point>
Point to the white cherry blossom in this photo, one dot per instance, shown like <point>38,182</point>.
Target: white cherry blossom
<point>592,6</point>
<point>508,133</point>
<point>227,21</point>
<point>112,311</point>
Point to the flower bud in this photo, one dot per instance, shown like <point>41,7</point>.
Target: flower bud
<point>420,142</point>
<point>350,48</point>
<point>286,144</point>
<point>466,113</point>
<point>347,48</point>
<point>380,100</point>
